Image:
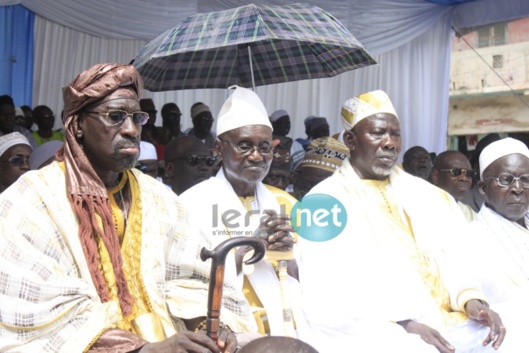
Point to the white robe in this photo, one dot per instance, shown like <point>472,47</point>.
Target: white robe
<point>356,286</point>
<point>219,215</point>
<point>45,284</point>
<point>500,251</point>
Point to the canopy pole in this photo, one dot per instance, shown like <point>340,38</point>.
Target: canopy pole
<point>251,66</point>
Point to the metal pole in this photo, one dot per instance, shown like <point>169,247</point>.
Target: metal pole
<point>251,66</point>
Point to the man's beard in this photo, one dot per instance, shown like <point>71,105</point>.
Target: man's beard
<point>382,171</point>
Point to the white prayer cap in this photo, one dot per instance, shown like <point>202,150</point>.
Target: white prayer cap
<point>278,114</point>
<point>147,151</point>
<point>12,139</point>
<point>365,105</point>
<point>43,152</point>
<point>242,108</point>
<point>498,149</point>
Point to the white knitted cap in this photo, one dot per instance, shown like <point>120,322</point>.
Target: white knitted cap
<point>498,149</point>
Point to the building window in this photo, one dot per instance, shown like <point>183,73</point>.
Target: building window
<point>490,36</point>
<point>497,61</point>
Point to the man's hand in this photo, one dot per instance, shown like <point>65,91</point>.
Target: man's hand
<point>480,311</point>
<point>275,231</point>
<point>428,335</point>
<point>193,342</point>
<point>227,341</point>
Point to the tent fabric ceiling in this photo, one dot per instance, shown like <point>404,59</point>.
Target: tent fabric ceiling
<point>449,2</point>
<point>146,19</point>
<point>411,39</point>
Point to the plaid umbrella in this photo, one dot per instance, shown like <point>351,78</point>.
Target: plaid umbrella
<point>285,43</point>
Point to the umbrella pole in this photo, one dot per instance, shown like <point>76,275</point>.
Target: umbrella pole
<point>251,67</point>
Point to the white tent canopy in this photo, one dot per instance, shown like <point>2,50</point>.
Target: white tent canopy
<point>409,38</point>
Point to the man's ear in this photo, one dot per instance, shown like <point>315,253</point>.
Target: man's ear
<point>218,147</point>
<point>435,176</point>
<point>169,169</point>
<point>481,187</point>
<point>77,125</point>
<point>349,139</point>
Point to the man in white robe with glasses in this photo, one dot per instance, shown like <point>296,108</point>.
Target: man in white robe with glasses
<point>498,235</point>
<point>234,203</point>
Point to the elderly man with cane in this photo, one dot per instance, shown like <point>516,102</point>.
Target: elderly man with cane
<point>236,203</point>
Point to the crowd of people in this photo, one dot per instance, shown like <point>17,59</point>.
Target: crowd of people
<point>102,227</point>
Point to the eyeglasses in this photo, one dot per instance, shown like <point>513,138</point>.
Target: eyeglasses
<point>506,179</point>
<point>193,160</point>
<point>457,172</point>
<point>247,149</point>
<point>117,117</point>
<point>17,161</point>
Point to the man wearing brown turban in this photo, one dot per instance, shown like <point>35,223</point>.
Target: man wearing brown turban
<point>88,245</point>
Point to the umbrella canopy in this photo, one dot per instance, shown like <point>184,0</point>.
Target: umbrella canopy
<point>285,43</point>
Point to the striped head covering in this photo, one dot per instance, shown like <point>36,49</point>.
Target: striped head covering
<point>88,194</point>
<point>325,153</point>
<point>365,105</point>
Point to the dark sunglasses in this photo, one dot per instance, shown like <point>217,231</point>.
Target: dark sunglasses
<point>16,161</point>
<point>457,172</point>
<point>193,160</point>
<point>117,117</point>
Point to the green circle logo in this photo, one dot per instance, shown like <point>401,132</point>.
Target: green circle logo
<point>318,217</point>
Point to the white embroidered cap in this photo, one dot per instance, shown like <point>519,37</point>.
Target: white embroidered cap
<point>12,139</point>
<point>365,105</point>
<point>242,108</point>
<point>498,149</point>
<point>147,151</point>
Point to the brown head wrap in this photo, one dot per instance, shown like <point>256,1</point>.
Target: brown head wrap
<point>87,192</point>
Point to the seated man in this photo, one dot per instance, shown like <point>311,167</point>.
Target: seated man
<point>279,174</point>
<point>88,243</point>
<point>452,173</point>
<point>324,155</point>
<point>151,133</point>
<point>202,123</point>
<point>171,121</point>
<point>14,154</point>
<point>45,120</point>
<point>417,162</point>
<point>236,203</point>
<point>398,291</point>
<point>187,163</point>
<point>498,235</point>
<point>280,120</point>
<point>7,120</point>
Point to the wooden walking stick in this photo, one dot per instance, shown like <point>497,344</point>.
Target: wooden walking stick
<point>216,278</point>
